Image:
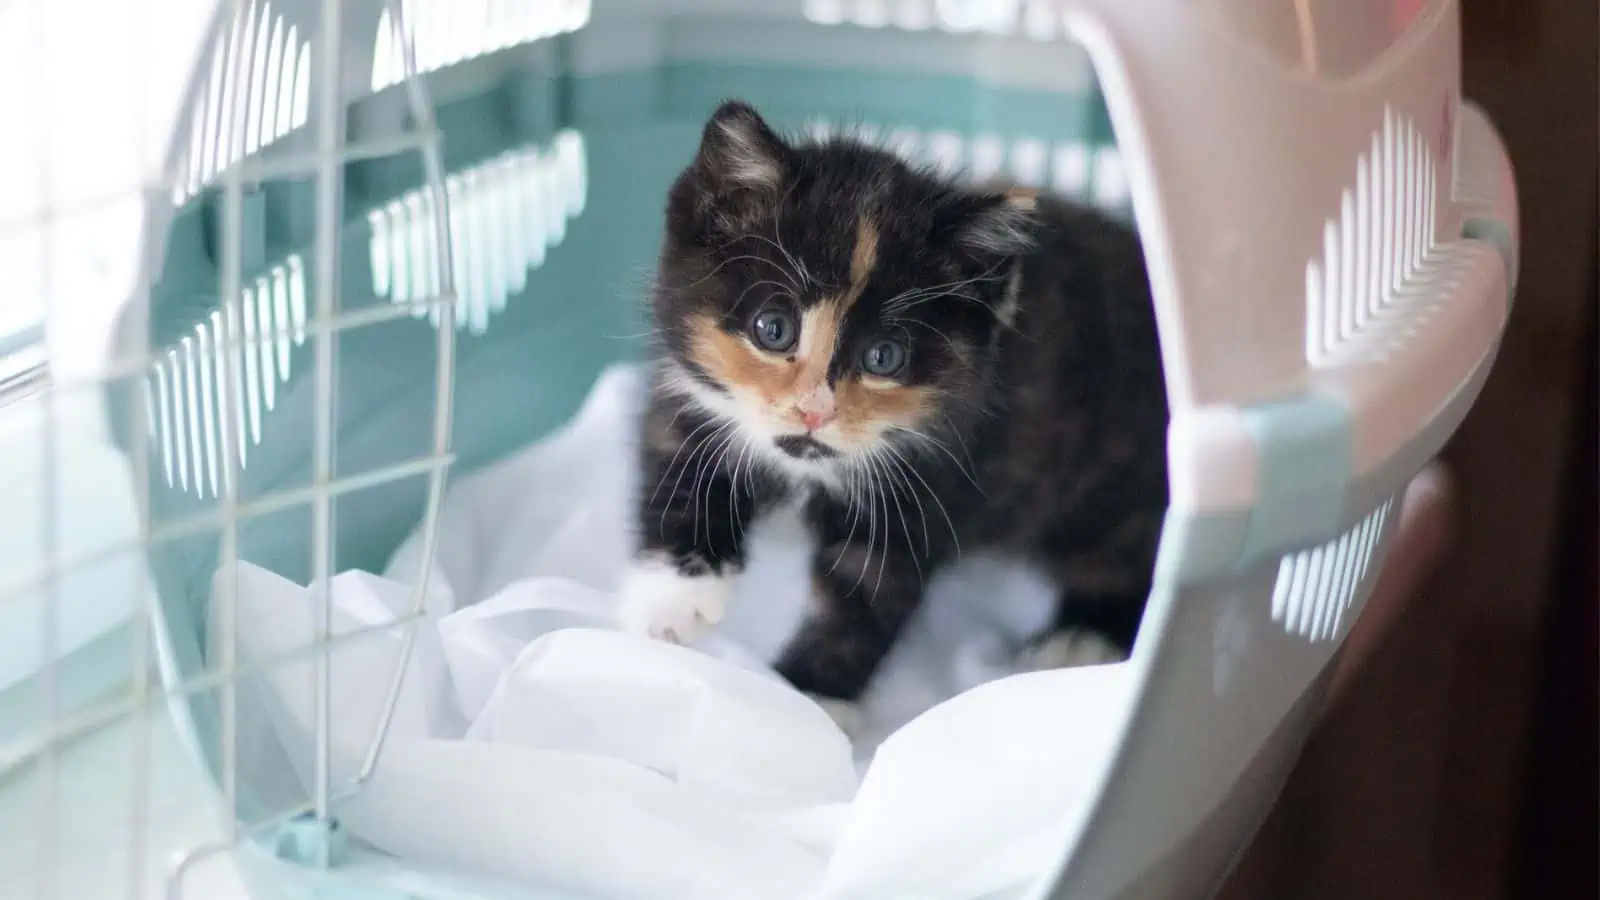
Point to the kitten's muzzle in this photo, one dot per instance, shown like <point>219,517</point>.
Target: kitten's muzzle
<point>802,446</point>
<point>816,407</point>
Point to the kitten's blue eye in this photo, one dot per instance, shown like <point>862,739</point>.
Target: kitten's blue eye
<point>774,330</point>
<point>883,358</point>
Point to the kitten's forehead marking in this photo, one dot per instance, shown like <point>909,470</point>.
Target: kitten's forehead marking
<point>863,258</point>
<point>822,325</point>
<point>819,335</point>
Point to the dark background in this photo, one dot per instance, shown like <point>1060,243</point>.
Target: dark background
<point>1458,756</point>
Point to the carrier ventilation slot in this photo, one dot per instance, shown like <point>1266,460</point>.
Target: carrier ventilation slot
<point>1036,19</point>
<point>256,92</point>
<point>452,31</point>
<point>229,369</point>
<point>505,214</point>
<point>1382,253</point>
<point>1316,588</point>
<point>1090,172</point>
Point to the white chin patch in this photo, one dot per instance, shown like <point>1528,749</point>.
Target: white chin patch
<point>825,472</point>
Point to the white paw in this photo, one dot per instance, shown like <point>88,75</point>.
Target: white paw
<point>659,602</point>
<point>1066,649</point>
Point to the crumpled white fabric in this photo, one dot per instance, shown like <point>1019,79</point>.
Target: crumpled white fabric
<point>533,741</point>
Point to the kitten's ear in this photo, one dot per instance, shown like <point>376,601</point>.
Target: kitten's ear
<point>989,229</point>
<point>992,226</point>
<point>737,177</point>
<point>739,153</point>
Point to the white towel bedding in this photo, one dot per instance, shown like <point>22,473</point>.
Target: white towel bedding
<point>535,742</point>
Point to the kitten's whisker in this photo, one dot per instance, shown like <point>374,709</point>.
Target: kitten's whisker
<point>717,475</point>
<point>750,468</point>
<point>929,298</point>
<point>667,470</point>
<point>934,442</point>
<point>701,451</point>
<point>947,338</point>
<point>708,467</point>
<point>799,270</point>
<point>777,234</point>
<point>788,277</point>
<point>956,433</point>
<point>682,408</point>
<point>733,492</point>
<point>918,296</point>
<point>755,284</point>
<point>852,489</point>
<point>901,301</point>
<point>872,527</point>
<point>901,464</point>
<point>665,378</point>
<point>707,473</point>
<point>985,276</point>
<point>869,495</point>
<point>733,511</point>
<point>883,557</point>
<point>668,505</point>
<point>704,442</point>
<point>905,526</point>
<point>715,472</point>
<point>932,495</point>
<point>906,299</point>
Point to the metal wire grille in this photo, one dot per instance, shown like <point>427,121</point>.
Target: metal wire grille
<point>274,79</point>
<point>330,143</point>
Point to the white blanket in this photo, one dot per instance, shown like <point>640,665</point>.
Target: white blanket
<point>533,741</point>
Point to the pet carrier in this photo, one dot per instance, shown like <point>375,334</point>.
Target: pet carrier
<point>391,238</point>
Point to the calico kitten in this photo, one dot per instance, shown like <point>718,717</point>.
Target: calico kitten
<point>929,368</point>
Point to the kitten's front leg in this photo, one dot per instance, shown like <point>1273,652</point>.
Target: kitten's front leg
<point>691,517</point>
<point>867,580</point>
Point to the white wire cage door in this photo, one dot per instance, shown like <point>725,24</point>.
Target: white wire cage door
<point>235,338</point>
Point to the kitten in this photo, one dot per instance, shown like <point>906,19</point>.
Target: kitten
<point>930,368</point>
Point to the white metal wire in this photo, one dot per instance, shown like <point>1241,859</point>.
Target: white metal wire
<point>48,682</point>
<point>210,520</point>
<point>232,415</point>
<point>231,149</point>
<point>325,324</point>
<point>330,140</point>
<point>444,378</point>
<point>66,727</point>
<point>141,636</point>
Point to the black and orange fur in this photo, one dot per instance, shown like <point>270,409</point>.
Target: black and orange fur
<point>1030,415</point>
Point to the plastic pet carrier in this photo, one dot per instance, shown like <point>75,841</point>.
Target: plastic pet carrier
<point>390,241</point>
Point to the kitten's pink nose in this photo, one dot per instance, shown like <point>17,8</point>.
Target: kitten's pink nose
<point>816,408</point>
<point>815,420</point>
